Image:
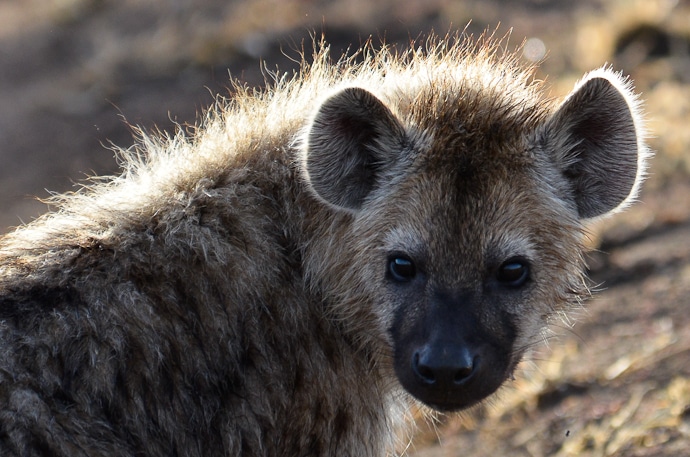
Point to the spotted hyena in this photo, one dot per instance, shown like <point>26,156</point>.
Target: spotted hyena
<point>387,230</point>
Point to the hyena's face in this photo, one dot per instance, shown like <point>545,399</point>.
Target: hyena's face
<point>467,276</point>
<point>468,236</point>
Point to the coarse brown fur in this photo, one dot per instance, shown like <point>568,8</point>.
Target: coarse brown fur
<point>284,280</point>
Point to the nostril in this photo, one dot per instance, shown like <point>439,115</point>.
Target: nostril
<point>422,370</point>
<point>465,371</point>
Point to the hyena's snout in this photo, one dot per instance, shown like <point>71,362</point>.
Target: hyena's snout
<point>449,359</point>
<point>445,366</point>
<point>452,375</point>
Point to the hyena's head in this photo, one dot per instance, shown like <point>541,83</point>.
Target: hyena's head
<point>463,232</point>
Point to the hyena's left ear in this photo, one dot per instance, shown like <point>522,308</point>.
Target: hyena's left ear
<point>597,140</point>
<point>354,138</point>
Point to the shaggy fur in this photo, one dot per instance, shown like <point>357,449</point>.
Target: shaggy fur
<point>284,280</point>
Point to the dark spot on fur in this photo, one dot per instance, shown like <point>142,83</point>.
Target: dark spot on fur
<point>22,306</point>
<point>341,423</point>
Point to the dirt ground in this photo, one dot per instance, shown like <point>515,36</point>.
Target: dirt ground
<point>615,381</point>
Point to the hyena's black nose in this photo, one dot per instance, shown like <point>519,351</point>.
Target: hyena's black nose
<point>445,366</point>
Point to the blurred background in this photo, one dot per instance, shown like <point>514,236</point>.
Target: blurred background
<point>75,75</point>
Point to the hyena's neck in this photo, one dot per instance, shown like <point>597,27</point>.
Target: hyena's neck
<point>341,404</point>
<point>318,373</point>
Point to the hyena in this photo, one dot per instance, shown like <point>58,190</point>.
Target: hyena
<point>288,279</point>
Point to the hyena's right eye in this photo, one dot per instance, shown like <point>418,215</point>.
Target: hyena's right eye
<point>513,272</point>
<point>401,268</point>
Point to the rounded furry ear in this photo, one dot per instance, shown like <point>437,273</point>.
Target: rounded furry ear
<point>597,140</point>
<point>352,139</point>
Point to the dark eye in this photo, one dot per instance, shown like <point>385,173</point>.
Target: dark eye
<point>513,272</point>
<point>401,269</point>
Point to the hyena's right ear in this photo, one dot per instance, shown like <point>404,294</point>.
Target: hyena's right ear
<point>596,138</point>
<point>352,140</point>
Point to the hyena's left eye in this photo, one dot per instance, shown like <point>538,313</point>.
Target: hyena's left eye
<point>401,269</point>
<point>513,272</point>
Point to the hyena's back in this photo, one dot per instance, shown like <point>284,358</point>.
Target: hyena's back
<point>191,333</point>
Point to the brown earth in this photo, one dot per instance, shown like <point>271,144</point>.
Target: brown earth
<point>75,74</point>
